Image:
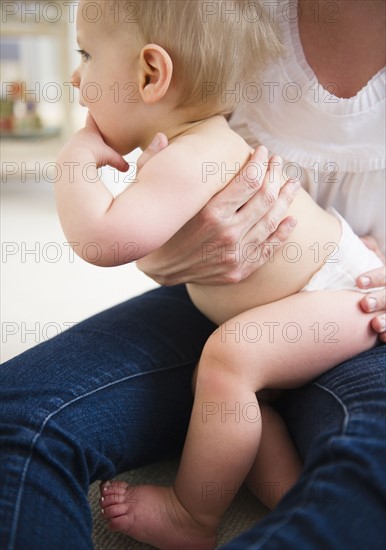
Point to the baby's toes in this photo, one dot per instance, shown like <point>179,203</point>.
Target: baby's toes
<point>114,510</point>
<point>113,487</point>
<point>108,500</point>
<point>118,517</point>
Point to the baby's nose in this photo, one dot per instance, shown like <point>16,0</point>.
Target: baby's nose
<point>75,80</point>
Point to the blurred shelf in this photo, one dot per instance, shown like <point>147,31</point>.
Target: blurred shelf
<point>41,133</point>
<point>34,148</point>
<point>24,159</point>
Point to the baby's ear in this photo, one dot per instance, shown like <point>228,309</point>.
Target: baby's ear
<point>156,70</point>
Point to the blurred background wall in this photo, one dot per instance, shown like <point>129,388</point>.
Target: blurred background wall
<point>45,287</point>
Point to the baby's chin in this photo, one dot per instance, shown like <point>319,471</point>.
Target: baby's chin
<point>118,146</point>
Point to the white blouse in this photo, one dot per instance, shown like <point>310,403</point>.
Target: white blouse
<point>335,145</point>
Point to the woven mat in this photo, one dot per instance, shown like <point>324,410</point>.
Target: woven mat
<point>243,513</point>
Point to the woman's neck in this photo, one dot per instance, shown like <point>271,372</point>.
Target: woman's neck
<point>343,41</point>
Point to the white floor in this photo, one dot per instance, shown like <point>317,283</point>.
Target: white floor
<point>44,287</point>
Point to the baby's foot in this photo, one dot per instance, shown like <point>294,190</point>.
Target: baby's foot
<point>153,515</point>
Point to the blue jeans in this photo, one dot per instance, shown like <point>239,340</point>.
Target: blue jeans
<point>114,393</point>
<point>338,425</point>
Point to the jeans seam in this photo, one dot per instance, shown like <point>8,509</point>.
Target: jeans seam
<point>270,532</point>
<point>48,418</point>
<point>345,411</point>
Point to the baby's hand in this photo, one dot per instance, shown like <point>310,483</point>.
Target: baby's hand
<point>89,141</point>
<point>159,142</point>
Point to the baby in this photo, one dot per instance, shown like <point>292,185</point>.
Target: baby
<point>170,66</point>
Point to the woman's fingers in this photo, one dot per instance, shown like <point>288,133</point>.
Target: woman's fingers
<point>379,326</point>
<point>243,186</point>
<point>375,278</point>
<point>274,223</point>
<point>372,279</point>
<point>375,301</point>
<point>249,214</point>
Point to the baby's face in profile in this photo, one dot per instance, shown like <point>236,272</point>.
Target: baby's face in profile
<point>107,78</point>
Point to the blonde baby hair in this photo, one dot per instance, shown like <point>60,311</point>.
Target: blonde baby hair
<point>217,46</point>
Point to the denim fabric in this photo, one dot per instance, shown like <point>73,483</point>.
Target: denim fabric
<point>338,424</point>
<point>114,392</point>
<point>108,395</point>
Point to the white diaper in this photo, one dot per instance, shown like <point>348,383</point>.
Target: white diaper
<point>351,258</point>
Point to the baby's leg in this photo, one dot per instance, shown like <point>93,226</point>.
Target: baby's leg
<point>225,417</point>
<point>277,466</point>
<point>280,345</point>
<point>288,343</point>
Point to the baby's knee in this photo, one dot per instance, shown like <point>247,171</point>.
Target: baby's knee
<point>218,359</point>
<point>220,350</point>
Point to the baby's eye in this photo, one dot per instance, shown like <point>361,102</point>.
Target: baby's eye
<point>85,56</point>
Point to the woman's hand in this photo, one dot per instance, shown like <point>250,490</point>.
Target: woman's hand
<point>375,301</point>
<point>209,248</point>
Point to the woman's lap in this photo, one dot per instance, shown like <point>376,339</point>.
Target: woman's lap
<point>338,424</point>
<point>111,394</point>
<point>114,393</point>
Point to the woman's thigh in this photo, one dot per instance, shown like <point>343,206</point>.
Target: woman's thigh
<point>122,375</point>
<point>338,425</point>
<point>110,394</point>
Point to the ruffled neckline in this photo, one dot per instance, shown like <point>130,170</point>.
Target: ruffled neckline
<point>298,70</point>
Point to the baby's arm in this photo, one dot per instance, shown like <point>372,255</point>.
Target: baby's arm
<point>167,193</point>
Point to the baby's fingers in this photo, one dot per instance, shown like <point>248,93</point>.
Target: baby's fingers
<point>158,143</point>
<point>106,156</point>
<point>115,160</point>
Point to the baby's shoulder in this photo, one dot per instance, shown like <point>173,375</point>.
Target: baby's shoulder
<point>212,144</point>
<point>215,133</point>
<point>209,152</point>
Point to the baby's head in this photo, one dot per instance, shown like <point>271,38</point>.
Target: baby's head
<point>212,44</point>
<point>184,55</point>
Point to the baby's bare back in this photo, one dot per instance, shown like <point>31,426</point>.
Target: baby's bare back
<point>288,270</point>
<point>290,267</point>
<point>220,154</point>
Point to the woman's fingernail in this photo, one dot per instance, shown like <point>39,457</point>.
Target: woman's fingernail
<point>292,223</point>
<point>365,282</point>
<point>371,304</point>
<point>155,143</point>
<point>382,324</point>
<point>295,184</point>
